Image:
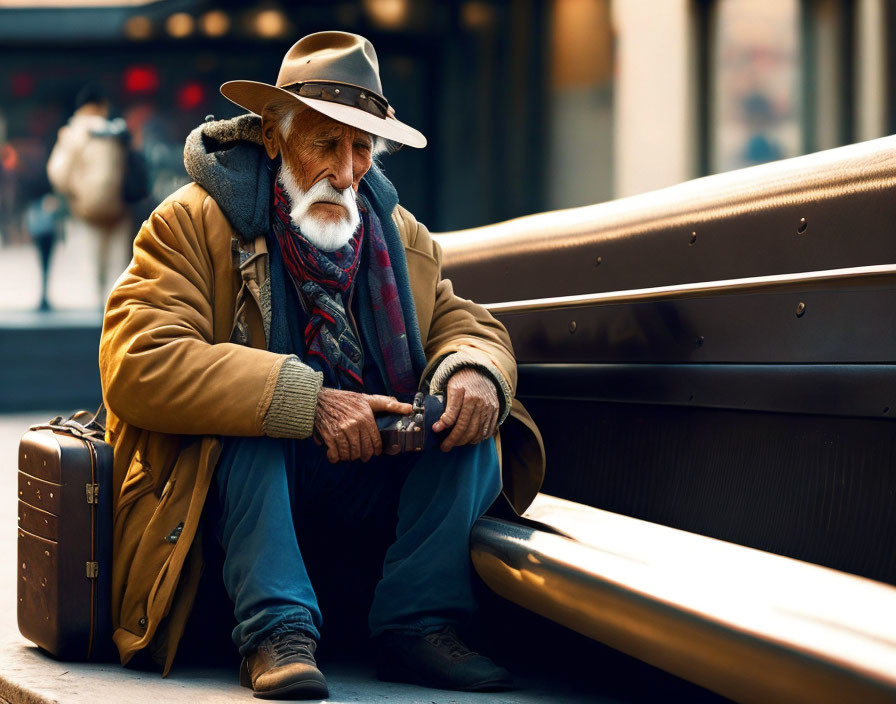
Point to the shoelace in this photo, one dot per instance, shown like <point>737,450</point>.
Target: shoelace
<point>448,639</point>
<point>286,644</point>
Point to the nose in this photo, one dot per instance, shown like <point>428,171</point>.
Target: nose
<point>341,174</point>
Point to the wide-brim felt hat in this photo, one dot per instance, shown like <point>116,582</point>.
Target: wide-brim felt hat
<point>337,74</point>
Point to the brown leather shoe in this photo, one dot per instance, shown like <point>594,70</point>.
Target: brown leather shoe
<point>283,667</point>
<point>439,659</point>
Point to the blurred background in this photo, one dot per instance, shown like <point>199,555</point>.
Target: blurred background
<point>529,105</point>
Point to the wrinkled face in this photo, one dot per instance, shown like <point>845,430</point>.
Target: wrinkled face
<point>323,162</point>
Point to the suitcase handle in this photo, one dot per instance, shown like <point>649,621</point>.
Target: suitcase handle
<point>94,429</point>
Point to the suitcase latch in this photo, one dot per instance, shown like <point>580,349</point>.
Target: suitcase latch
<point>93,493</point>
<point>93,570</point>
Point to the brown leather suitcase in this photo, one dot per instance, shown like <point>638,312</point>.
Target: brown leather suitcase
<point>65,534</point>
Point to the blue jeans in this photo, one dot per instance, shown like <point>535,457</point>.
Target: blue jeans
<point>262,483</point>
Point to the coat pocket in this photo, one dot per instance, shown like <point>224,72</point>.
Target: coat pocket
<point>138,481</point>
<point>158,523</point>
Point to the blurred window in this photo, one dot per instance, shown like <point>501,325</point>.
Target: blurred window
<point>829,87</point>
<point>581,98</point>
<point>780,79</point>
<point>756,83</point>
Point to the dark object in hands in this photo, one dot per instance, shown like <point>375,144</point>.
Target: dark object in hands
<point>411,433</point>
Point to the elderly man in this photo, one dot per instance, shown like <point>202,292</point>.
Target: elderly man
<point>272,309</point>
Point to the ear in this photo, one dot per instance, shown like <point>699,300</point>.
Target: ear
<point>270,134</point>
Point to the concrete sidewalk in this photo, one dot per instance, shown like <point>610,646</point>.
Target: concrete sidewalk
<point>29,677</point>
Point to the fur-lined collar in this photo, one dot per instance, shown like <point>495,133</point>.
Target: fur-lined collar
<point>226,158</point>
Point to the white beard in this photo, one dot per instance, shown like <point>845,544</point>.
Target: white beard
<point>326,235</point>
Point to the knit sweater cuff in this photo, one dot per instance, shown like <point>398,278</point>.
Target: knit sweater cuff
<point>294,404</point>
<point>456,361</point>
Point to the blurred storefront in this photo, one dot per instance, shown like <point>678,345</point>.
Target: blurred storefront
<point>528,105</point>
<point>705,86</point>
<point>468,74</point>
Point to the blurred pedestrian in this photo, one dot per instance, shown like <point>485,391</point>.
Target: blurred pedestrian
<point>42,221</point>
<point>761,145</point>
<point>88,166</point>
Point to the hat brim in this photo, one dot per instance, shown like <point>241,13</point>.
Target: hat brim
<point>254,95</point>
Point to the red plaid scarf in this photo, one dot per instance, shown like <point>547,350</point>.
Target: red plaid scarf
<point>325,280</point>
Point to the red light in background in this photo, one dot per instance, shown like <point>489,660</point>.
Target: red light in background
<point>141,79</point>
<point>22,85</point>
<point>9,157</point>
<point>190,96</point>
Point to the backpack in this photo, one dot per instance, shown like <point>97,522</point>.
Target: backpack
<point>97,179</point>
<point>136,177</point>
<point>88,167</point>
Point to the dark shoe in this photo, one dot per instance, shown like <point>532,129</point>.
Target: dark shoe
<point>439,659</point>
<point>283,667</point>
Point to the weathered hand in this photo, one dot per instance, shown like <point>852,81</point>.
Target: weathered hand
<point>344,420</point>
<point>471,407</point>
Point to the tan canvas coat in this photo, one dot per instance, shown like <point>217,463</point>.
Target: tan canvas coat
<point>174,380</point>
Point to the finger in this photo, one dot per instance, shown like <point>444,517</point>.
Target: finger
<point>452,407</point>
<point>493,425</point>
<point>366,445</point>
<point>388,404</point>
<point>332,454</point>
<point>373,433</point>
<point>370,433</point>
<point>478,430</point>
<point>460,434</point>
<point>354,442</point>
<point>488,420</point>
<point>392,449</point>
<point>479,427</point>
<point>343,448</point>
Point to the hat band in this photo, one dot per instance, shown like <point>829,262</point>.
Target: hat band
<point>342,93</point>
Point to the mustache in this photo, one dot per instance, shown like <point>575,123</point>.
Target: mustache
<point>324,192</point>
<point>328,234</point>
